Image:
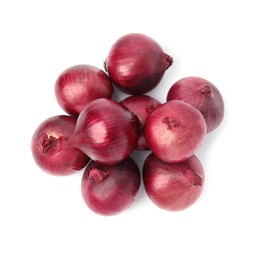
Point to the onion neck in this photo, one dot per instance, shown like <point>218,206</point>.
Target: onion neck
<point>97,174</point>
<point>192,176</point>
<point>168,61</point>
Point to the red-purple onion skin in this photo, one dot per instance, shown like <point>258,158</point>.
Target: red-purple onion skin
<point>136,63</point>
<point>201,94</point>
<point>109,190</point>
<point>51,150</point>
<point>141,106</point>
<point>174,131</point>
<point>173,186</point>
<point>106,131</point>
<point>80,84</point>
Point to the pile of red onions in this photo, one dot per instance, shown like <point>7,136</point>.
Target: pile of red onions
<point>101,133</point>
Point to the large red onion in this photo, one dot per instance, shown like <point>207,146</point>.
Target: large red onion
<point>106,131</point>
<point>108,190</point>
<point>201,94</point>
<point>136,63</point>
<point>174,131</point>
<point>141,106</point>
<point>173,186</point>
<point>50,147</point>
<point>80,84</point>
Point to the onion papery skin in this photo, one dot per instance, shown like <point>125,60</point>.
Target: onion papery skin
<point>106,131</point>
<point>173,186</point>
<point>203,95</point>
<point>51,150</point>
<point>109,190</point>
<point>141,106</point>
<point>136,63</point>
<point>78,85</point>
<point>174,131</point>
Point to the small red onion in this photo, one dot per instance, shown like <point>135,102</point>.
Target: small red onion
<point>174,131</point>
<point>201,94</point>
<point>80,84</point>
<point>51,150</point>
<point>141,106</point>
<point>106,131</point>
<point>173,186</point>
<point>108,190</point>
<point>136,63</point>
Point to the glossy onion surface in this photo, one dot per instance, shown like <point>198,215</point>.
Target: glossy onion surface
<point>80,84</point>
<point>136,63</point>
<point>106,131</point>
<point>51,150</point>
<point>174,131</point>
<point>108,190</point>
<point>201,94</point>
<point>173,186</point>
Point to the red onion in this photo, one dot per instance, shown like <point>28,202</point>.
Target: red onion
<point>141,106</point>
<point>51,150</point>
<point>136,63</point>
<point>108,190</point>
<point>106,131</point>
<point>201,94</point>
<point>173,186</point>
<point>174,131</point>
<point>80,84</point>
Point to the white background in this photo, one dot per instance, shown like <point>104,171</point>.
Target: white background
<point>44,217</point>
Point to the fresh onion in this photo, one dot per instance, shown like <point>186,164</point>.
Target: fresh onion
<point>106,131</point>
<point>173,186</point>
<point>201,94</point>
<point>174,131</point>
<point>141,106</point>
<point>80,84</point>
<point>136,63</point>
<point>108,190</point>
<point>50,147</point>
